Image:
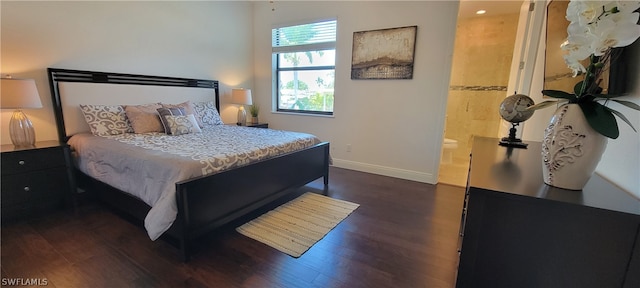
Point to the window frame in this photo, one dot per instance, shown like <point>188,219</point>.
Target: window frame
<point>310,47</point>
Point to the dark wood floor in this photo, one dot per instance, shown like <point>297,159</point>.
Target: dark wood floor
<point>404,234</point>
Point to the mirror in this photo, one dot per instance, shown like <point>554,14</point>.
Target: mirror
<point>618,79</point>
<point>557,76</point>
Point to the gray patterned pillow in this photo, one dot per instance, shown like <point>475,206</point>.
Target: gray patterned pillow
<point>106,119</point>
<point>164,112</point>
<point>187,106</point>
<point>183,124</point>
<point>207,114</point>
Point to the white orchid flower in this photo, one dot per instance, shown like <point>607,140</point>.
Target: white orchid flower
<point>626,6</point>
<point>586,12</point>
<point>607,33</point>
<point>597,26</point>
<point>578,42</point>
<point>574,64</point>
<point>577,48</point>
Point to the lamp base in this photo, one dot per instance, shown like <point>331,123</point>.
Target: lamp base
<point>242,116</point>
<point>21,130</point>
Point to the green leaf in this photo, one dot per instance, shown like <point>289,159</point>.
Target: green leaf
<point>577,89</point>
<point>600,119</point>
<point>559,94</point>
<point>586,98</point>
<point>621,117</point>
<point>628,104</point>
<point>545,104</point>
<point>608,96</point>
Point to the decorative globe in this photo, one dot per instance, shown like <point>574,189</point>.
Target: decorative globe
<point>514,108</point>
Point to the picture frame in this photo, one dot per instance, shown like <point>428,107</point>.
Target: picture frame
<point>384,53</point>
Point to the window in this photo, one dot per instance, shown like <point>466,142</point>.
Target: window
<point>305,64</point>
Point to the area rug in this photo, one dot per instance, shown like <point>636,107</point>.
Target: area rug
<point>298,224</point>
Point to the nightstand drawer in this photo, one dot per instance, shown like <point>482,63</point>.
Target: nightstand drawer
<point>31,160</point>
<point>41,186</point>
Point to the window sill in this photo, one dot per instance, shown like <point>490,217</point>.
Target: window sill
<point>303,114</point>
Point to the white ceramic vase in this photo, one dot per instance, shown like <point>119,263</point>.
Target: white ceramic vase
<point>571,149</point>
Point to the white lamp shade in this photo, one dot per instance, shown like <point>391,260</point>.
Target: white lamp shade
<point>19,93</point>
<point>241,96</point>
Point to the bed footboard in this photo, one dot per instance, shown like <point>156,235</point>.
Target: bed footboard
<point>208,202</point>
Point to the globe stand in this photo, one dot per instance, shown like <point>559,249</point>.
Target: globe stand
<point>512,141</point>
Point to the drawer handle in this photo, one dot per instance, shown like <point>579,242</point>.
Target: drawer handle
<point>21,162</point>
<point>27,189</point>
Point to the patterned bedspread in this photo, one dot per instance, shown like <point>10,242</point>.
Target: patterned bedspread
<point>148,165</point>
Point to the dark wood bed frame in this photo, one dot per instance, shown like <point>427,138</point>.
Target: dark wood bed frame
<point>208,202</point>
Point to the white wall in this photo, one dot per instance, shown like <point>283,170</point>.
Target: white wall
<point>621,160</point>
<point>210,40</point>
<point>393,126</point>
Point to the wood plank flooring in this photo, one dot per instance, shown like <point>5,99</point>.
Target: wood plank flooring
<point>404,234</point>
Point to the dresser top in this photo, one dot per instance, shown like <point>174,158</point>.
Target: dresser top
<point>518,171</point>
<point>38,145</point>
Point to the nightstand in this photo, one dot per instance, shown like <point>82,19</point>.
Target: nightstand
<point>35,179</point>
<point>256,125</point>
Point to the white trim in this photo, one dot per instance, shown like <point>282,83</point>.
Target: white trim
<point>525,51</point>
<point>532,39</point>
<point>385,171</point>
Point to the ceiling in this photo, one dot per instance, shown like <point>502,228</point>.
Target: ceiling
<point>468,8</point>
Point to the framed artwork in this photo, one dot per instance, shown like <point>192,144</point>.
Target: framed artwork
<point>384,53</point>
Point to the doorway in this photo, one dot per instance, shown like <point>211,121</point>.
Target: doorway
<point>482,64</point>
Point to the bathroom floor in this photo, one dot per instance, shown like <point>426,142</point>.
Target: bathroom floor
<point>454,173</point>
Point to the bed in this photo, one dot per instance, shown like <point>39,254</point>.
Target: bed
<point>203,200</point>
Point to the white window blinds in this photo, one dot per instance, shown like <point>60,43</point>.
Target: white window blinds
<point>312,36</point>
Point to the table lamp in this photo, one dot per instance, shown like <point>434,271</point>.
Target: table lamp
<point>18,94</point>
<point>241,97</point>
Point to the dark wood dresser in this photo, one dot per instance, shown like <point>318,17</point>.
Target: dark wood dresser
<point>517,231</point>
<point>35,180</point>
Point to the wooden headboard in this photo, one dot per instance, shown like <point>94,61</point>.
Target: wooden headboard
<point>70,88</point>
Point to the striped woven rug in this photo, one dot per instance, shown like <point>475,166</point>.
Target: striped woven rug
<point>298,224</point>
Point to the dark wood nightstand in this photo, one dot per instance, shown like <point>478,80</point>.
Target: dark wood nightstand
<point>256,125</point>
<point>35,179</point>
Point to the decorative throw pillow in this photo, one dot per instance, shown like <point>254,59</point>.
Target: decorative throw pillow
<point>207,114</point>
<point>144,118</point>
<point>106,119</point>
<point>188,108</point>
<point>164,112</point>
<point>182,124</point>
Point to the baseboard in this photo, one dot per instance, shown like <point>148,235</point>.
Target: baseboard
<point>385,171</point>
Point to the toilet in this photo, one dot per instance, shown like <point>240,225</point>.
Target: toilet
<point>448,146</point>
